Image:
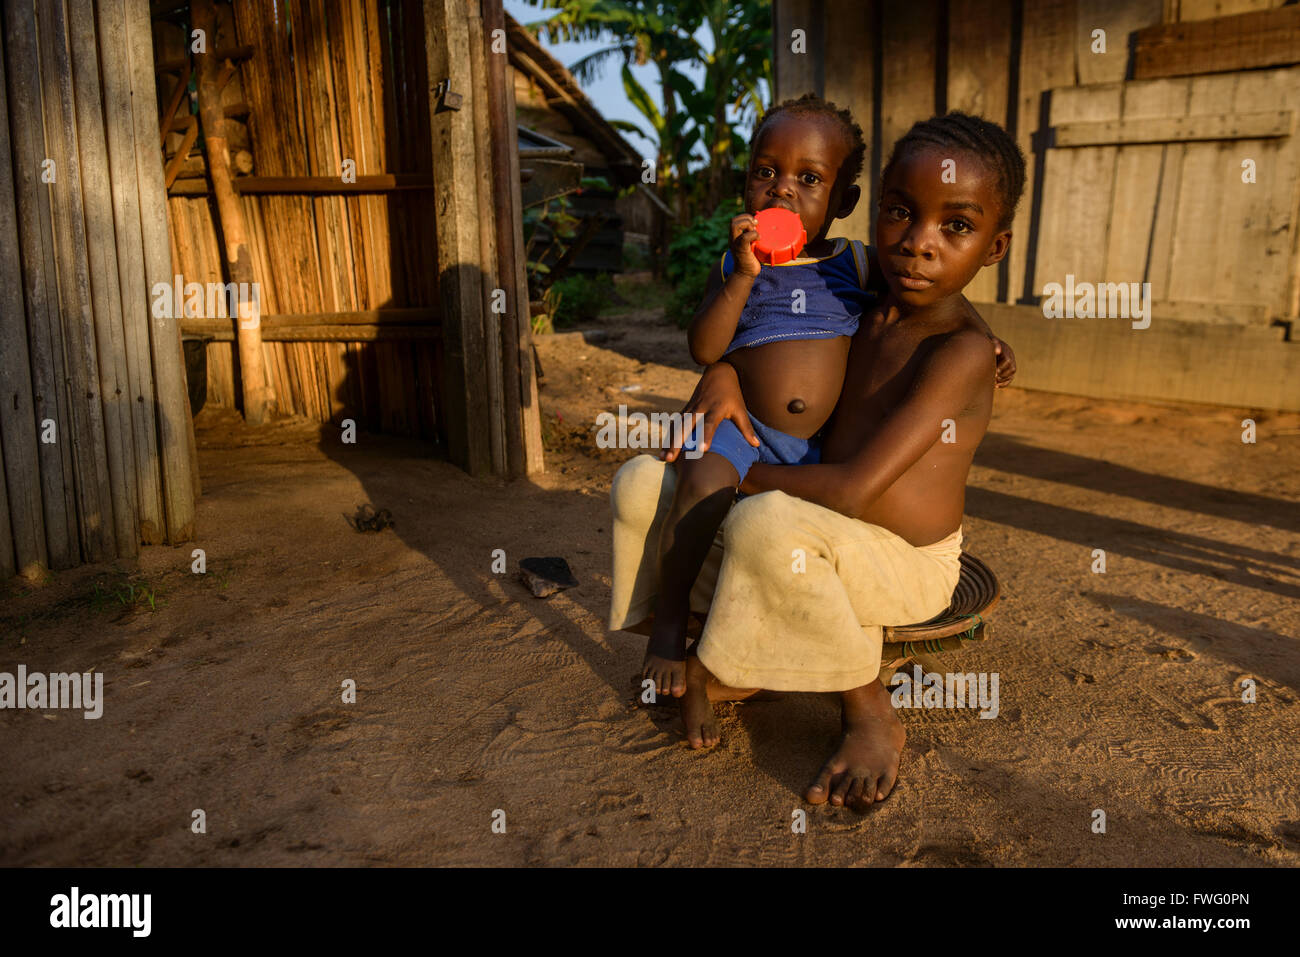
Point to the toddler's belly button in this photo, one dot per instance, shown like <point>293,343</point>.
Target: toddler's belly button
<point>796,406</point>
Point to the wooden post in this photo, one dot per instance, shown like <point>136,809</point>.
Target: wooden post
<point>488,220</point>
<point>22,535</point>
<point>84,428</point>
<point>106,302</point>
<point>1047,61</point>
<point>797,72</point>
<point>173,410</point>
<point>979,52</point>
<point>530,407</point>
<point>460,267</point>
<point>850,78</point>
<point>130,267</point>
<point>7,566</point>
<point>40,291</point>
<point>239,261</point>
<point>523,423</point>
<point>497,58</point>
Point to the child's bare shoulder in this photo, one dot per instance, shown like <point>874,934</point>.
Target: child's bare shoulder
<point>964,353</point>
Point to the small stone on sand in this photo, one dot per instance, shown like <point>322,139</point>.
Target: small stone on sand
<point>546,576</point>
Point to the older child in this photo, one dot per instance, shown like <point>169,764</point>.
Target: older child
<point>888,494</point>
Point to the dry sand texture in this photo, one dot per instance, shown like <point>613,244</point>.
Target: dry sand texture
<point>1119,691</point>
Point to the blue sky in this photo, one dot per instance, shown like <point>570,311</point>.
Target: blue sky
<point>607,92</point>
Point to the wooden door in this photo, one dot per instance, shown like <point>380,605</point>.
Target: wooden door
<point>1149,181</point>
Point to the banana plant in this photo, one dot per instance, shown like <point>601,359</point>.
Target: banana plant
<point>691,127</point>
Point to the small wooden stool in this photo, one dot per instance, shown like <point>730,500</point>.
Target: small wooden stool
<point>961,623</point>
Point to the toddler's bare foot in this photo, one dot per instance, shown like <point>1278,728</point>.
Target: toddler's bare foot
<point>697,712</point>
<point>864,768</point>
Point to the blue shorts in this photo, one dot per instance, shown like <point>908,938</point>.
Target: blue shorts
<point>775,448</point>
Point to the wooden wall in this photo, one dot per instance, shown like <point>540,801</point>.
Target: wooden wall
<point>95,434</point>
<point>348,293</point>
<point>1129,179</point>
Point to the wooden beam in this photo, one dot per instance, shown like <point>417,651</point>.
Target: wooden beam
<point>797,56</point>
<point>1246,41</point>
<point>178,463</point>
<point>106,294</point>
<point>531,412</point>
<point>192,186</point>
<point>22,544</point>
<point>523,423</point>
<point>397,316</point>
<point>233,54</point>
<point>239,259</point>
<point>182,152</point>
<point>194,183</point>
<point>40,283</point>
<point>379,183</point>
<point>84,427</point>
<point>219,331</point>
<point>163,8</point>
<point>850,81</point>
<point>1176,129</point>
<point>330,185</point>
<point>168,116</point>
<point>460,266</point>
<point>136,316</point>
<point>487,233</point>
<point>7,563</point>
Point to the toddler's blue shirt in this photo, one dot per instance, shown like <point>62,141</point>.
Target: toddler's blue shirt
<point>834,297</point>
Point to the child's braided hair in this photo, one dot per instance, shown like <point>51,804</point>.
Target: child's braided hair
<point>980,137</point>
<point>812,105</point>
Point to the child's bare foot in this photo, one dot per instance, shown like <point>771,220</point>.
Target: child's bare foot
<point>697,712</point>
<point>864,767</point>
<point>665,661</point>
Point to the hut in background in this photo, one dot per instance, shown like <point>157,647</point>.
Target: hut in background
<point>356,164</point>
<point>551,103</point>
<point>1161,145</point>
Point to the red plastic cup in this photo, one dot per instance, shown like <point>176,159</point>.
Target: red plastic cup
<point>781,236</point>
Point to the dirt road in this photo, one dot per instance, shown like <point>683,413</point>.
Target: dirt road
<point>1120,691</point>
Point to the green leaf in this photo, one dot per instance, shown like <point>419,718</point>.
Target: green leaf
<point>628,126</point>
<point>639,98</point>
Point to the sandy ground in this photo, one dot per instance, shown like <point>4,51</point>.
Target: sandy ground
<point>1119,691</point>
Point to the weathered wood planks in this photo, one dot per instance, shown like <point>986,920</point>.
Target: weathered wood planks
<point>1224,44</point>
<point>84,388</point>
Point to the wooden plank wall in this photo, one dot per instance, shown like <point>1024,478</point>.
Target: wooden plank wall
<point>1246,367</point>
<point>94,440</point>
<point>843,87</point>
<point>322,86</point>
<point>1174,213</point>
<point>979,50</point>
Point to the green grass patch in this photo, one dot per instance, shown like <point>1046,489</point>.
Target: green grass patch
<point>123,591</point>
